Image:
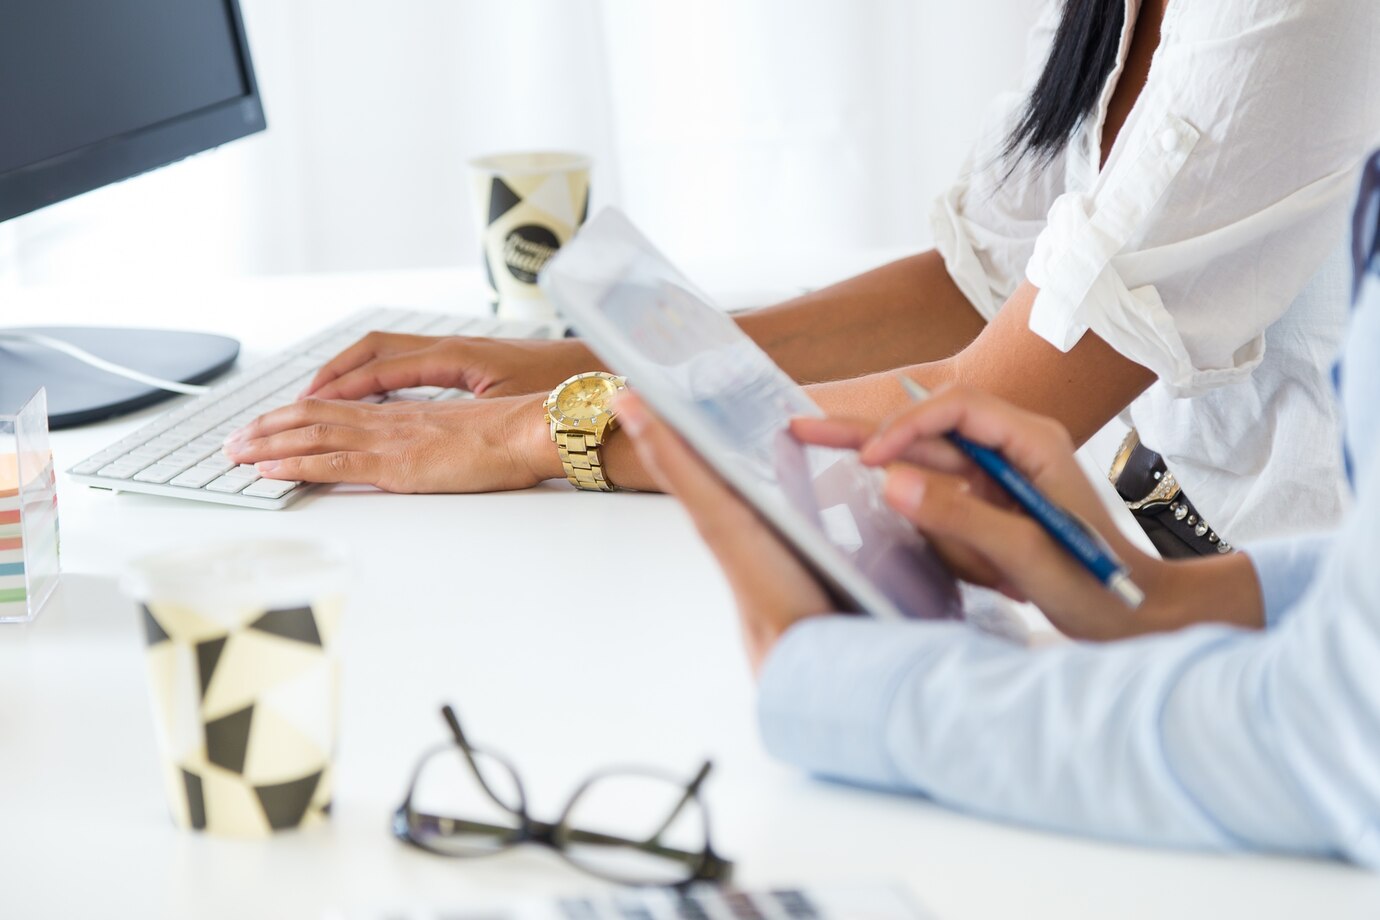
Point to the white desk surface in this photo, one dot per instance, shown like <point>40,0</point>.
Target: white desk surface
<point>643,667</point>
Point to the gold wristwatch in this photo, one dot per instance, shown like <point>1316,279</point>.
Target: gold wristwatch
<point>580,413</point>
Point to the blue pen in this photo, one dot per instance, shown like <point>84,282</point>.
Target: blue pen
<point>1067,530</point>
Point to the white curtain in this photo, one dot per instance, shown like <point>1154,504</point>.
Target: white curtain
<point>734,130</point>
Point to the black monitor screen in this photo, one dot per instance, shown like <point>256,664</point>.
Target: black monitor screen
<point>81,77</point>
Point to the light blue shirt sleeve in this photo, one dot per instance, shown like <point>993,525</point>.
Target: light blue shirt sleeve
<point>1210,738</point>
<point>1285,568</point>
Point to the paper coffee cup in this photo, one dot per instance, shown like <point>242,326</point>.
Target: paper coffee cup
<point>528,206</point>
<point>244,680</point>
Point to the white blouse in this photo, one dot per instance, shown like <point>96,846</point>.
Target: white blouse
<point>1210,248</point>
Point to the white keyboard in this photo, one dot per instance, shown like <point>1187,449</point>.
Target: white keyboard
<point>179,453</point>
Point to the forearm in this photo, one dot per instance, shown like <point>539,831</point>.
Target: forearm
<point>873,397</point>
<point>1070,738</point>
<point>1082,388</point>
<point>907,312</point>
<point>1218,589</point>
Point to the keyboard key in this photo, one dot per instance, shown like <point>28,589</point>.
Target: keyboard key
<point>147,452</point>
<point>218,462</point>
<point>121,469</point>
<point>485,326</point>
<point>185,457</point>
<point>159,472</point>
<point>415,325</point>
<point>87,467</point>
<point>194,478</point>
<point>271,488</point>
<point>228,484</point>
<point>461,325</point>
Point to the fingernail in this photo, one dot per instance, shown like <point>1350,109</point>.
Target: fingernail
<point>632,417</point>
<point>904,490</point>
<point>237,435</point>
<point>267,466</point>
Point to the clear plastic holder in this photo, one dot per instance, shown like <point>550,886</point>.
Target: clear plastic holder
<point>29,543</point>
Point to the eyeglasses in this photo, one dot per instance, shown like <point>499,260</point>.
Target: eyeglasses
<point>631,826</point>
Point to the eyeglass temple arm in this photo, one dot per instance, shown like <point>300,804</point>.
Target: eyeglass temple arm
<point>577,835</point>
<point>709,866</point>
<point>453,722</point>
<point>691,791</point>
<point>449,826</point>
<point>542,830</point>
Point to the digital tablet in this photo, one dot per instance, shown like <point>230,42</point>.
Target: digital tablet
<point>732,404</point>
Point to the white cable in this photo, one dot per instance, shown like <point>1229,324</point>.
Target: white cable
<point>110,367</point>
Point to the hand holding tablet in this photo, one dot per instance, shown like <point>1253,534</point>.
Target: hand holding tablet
<point>733,405</point>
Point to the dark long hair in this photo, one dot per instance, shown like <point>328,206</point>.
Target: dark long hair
<point>1080,60</point>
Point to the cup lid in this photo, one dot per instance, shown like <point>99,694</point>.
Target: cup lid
<point>233,573</point>
<point>533,161</point>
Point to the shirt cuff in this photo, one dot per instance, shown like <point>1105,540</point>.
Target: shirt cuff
<point>952,240</point>
<point>1285,568</point>
<point>1074,266</point>
<point>826,691</point>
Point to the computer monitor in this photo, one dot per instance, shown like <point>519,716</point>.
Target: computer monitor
<point>93,92</point>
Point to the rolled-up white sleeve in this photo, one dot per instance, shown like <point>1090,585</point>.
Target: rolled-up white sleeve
<point>1228,185</point>
<point>986,223</point>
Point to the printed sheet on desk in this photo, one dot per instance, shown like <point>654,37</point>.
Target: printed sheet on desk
<point>860,902</point>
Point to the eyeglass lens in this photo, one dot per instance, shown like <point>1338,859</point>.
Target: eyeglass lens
<point>467,820</point>
<point>636,827</point>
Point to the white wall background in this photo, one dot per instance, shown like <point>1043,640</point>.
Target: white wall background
<point>730,129</point>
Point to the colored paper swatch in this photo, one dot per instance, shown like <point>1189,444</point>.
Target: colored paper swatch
<point>29,541</point>
<point>13,588</point>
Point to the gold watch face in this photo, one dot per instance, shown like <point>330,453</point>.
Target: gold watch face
<point>585,399</point>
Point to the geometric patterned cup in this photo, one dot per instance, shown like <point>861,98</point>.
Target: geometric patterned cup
<point>245,681</point>
<point>527,205</point>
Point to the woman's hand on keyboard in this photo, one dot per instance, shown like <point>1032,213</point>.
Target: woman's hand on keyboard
<point>451,446</point>
<point>383,361</point>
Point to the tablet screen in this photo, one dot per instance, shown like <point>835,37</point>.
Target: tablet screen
<point>732,404</point>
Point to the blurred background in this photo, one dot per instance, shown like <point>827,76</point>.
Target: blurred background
<point>731,131</point>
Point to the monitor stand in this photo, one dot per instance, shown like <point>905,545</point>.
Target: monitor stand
<point>79,394</point>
